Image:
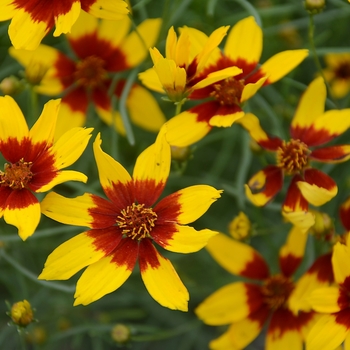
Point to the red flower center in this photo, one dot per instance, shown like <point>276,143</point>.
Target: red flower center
<point>90,72</point>
<point>343,71</point>
<point>228,91</point>
<point>293,156</point>
<point>16,175</point>
<point>276,291</point>
<point>136,221</point>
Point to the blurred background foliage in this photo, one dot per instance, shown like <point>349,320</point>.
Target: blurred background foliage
<point>224,159</point>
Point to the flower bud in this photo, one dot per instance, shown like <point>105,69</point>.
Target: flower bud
<point>323,227</point>
<point>10,85</point>
<point>314,6</point>
<point>240,227</point>
<point>120,333</point>
<point>22,313</point>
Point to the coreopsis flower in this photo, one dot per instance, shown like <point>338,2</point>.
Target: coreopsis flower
<point>184,60</point>
<point>101,50</point>
<point>320,274</point>
<point>124,227</point>
<point>337,73</point>
<point>34,162</point>
<point>248,306</point>
<point>32,20</point>
<point>311,127</point>
<point>227,95</point>
<point>333,327</point>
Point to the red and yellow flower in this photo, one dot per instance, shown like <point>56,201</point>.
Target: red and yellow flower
<point>311,127</point>
<point>124,228</point>
<point>227,95</point>
<point>333,327</point>
<point>185,59</point>
<point>34,162</point>
<point>32,20</point>
<point>102,49</point>
<point>337,73</point>
<point>247,306</point>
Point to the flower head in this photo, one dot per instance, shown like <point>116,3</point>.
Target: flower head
<point>333,301</point>
<point>124,228</point>
<point>185,59</point>
<point>311,127</point>
<point>230,79</point>
<point>21,313</point>
<point>34,162</point>
<point>32,20</point>
<point>102,49</point>
<point>337,73</point>
<point>247,306</point>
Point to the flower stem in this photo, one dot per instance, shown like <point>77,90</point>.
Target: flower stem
<point>314,53</point>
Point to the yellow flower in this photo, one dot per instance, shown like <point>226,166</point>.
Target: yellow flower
<point>34,162</point>
<point>124,228</point>
<point>247,306</point>
<point>240,227</point>
<point>101,49</point>
<point>32,20</point>
<point>337,73</point>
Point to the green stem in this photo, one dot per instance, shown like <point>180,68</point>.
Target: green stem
<point>314,53</point>
<point>179,106</point>
<point>32,276</point>
<point>34,112</point>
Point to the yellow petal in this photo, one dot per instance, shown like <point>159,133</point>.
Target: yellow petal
<point>252,124</point>
<point>44,128</point>
<point>110,171</point>
<point>216,76</point>
<point>282,63</point>
<point>136,45</point>
<point>184,129</point>
<point>111,118</point>
<point>63,176</point>
<point>7,10</point>
<point>151,80</point>
<point>250,90</point>
<point>302,219</point>
<point>154,162</point>
<point>85,24</point>
<point>161,280</point>
<point>106,9</point>
<point>326,334</point>
<point>101,278</point>
<point>69,147</point>
<point>70,257</point>
<point>325,300</point>
<point>237,258</point>
<point>311,104</point>
<point>195,201</point>
<point>68,119</point>
<point>289,339</point>
<point>65,21</point>
<point>340,258</point>
<point>316,195</point>
<point>27,218</point>
<point>212,43</point>
<point>12,121</point>
<point>225,121</point>
<point>113,31</point>
<point>295,245</point>
<point>334,122</point>
<point>70,211</point>
<point>227,305</point>
<point>144,109</point>
<point>26,33</point>
<point>245,41</point>
<point>188,240</point>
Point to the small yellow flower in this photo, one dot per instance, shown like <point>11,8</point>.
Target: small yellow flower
<point>120,333</point>
<point>22,313</point>
<point>240,227</point>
